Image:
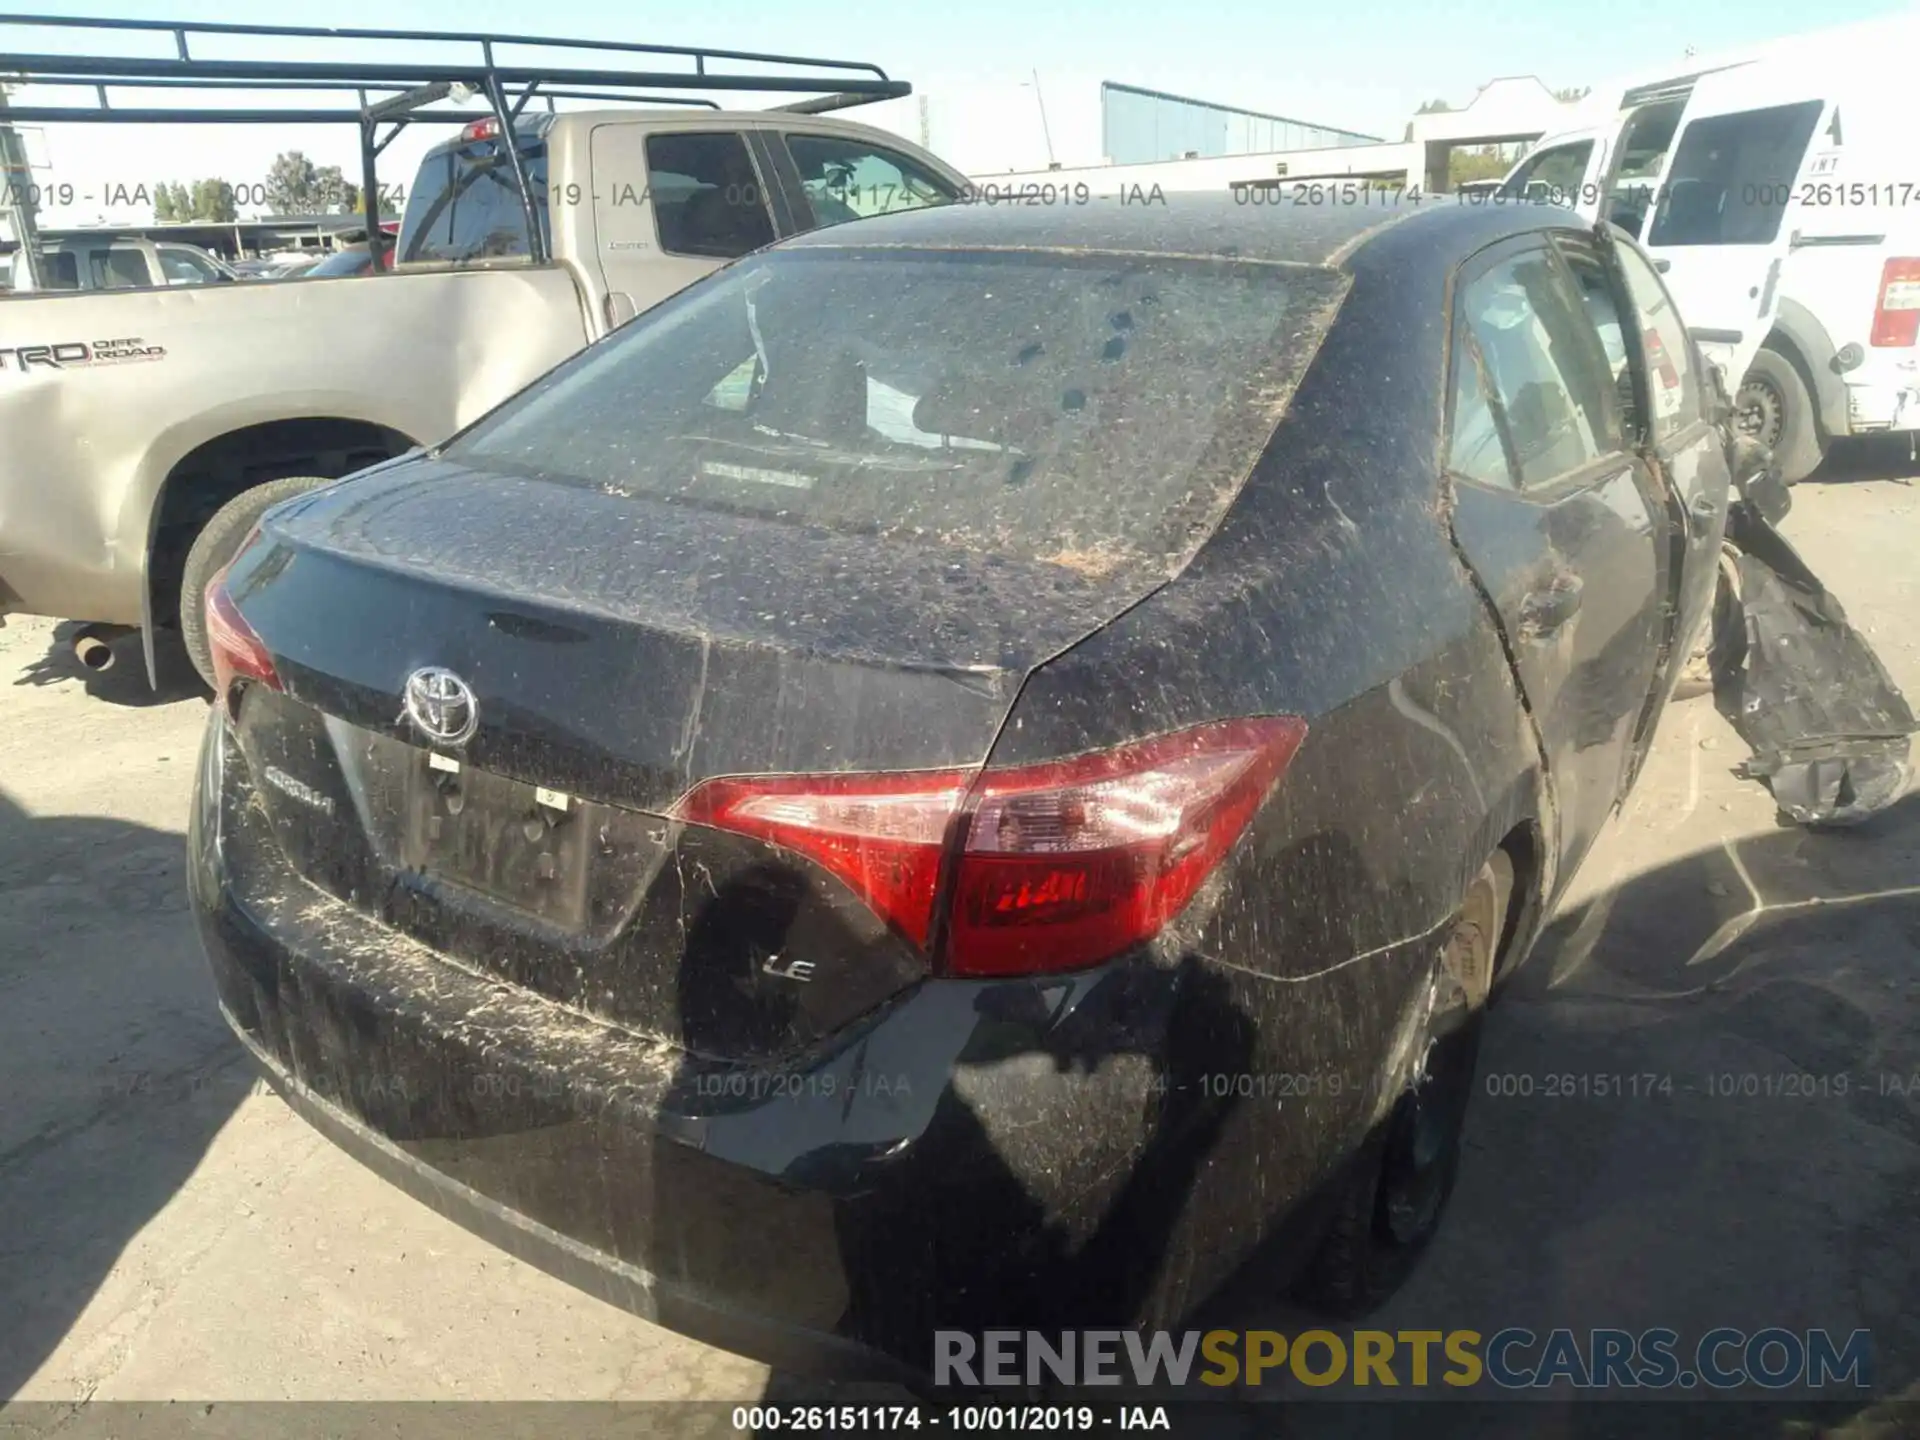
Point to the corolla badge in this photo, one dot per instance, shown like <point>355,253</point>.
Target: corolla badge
<point>441,706</point>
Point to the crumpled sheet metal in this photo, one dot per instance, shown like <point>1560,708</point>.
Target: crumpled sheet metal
<point>1828,727</point>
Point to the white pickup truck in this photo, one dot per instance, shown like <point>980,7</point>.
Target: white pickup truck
<point>146,430</point>
<point>114,262</point>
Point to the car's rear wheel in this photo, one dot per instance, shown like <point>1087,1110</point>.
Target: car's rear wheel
<point>1390,1203</point>
<point>1773,406</point>
<point>218,541</point>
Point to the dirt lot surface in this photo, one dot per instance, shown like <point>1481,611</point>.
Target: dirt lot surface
<point>172,1231</point>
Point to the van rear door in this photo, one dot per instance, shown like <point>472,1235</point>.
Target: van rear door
<point>1722,220</point>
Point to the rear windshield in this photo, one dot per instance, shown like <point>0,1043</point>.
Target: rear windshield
<point>465,206</point>
<point>1097,412</point>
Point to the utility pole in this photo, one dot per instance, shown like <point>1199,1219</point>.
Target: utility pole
<point>16,194</point>
<point>1045,133</point>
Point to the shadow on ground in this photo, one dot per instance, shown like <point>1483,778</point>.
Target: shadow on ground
<point>1698,1106</point>
<point>125,681</point>
<point>1868,457</point>
<point>115,1068</point>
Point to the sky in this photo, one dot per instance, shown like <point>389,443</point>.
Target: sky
<point>1360,65</point>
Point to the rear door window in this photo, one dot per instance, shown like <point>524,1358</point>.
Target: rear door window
<point>465,207</point>
<point>1545,362</point>
<point>120,268</point>
<point>1732,175</point>
<point>707,197</point>
<point>1094,412</point>
<point>852,179</point>
<point>1476,448</point>
<point>1672,382</point>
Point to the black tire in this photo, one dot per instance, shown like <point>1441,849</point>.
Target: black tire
<point>1395,1191</point>
<point>1774,407</point>
<point>214,546</point>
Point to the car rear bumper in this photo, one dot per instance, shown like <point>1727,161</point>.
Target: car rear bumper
<point>1884,393</point>
<point>687,1309</point>
<point>825,1218</point>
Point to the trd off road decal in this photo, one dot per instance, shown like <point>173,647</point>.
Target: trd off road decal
<point>77,353</point>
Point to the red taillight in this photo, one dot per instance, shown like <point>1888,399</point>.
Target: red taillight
<point>1068,864</point>
<point>1896,318</point>
<point>881,834</point>
<point>237,650</point>
<point>487,129</point>
<point>1063,865</point>
<point>1660,361</point>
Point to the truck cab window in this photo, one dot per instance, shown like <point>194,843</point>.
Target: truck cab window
<point>120,268</point>
<point>707,197</point>
<point>1551,177</point>
<point>852,179</point>
<point>183,267</point>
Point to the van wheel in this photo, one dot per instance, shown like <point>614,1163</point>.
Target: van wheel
<point>1774,408</point>
<point>215,545</point>
<point>1390,1204</point>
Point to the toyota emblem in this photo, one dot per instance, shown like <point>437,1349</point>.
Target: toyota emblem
<point>441,706</point>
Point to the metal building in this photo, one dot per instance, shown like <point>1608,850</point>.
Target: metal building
<point>1140,126</point>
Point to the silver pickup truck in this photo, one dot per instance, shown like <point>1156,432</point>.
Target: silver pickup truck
<point>146,430</point>
<point>113,262</point>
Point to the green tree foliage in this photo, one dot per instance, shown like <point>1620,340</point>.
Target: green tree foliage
<point>209,201</point>
<point>293,183</point>
<point>213,200</point>
<point>296,186</point>
<point>1484,162</point>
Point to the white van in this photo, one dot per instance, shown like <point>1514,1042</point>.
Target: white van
<point>1779,192</point>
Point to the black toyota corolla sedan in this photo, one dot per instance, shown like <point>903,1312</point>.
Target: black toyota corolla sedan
<point>975,769</point>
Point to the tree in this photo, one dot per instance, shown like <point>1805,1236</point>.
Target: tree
<point>213,200</point>
<point>210,201</point>
<point>292,184</point>
<point>1571,94</point>
<point>1486,162</point>
<point>1434,107</point>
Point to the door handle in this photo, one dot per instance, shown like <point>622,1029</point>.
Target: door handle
<point>619,309</point>
<point>1546,611</point>
<point>1663,266</point>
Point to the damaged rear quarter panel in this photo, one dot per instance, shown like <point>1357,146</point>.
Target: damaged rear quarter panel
<point>1331,591</point>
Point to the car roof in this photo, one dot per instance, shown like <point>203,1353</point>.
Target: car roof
<point>1325,229</point>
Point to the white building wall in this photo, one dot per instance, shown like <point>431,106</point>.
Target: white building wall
<point>1219,173</point>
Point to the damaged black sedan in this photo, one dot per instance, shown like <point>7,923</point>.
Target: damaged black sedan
<point>976,769</point>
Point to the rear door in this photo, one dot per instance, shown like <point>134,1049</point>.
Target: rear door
<point>670,206</point>
<point>1723,219</point>
<point>1560,517</point>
